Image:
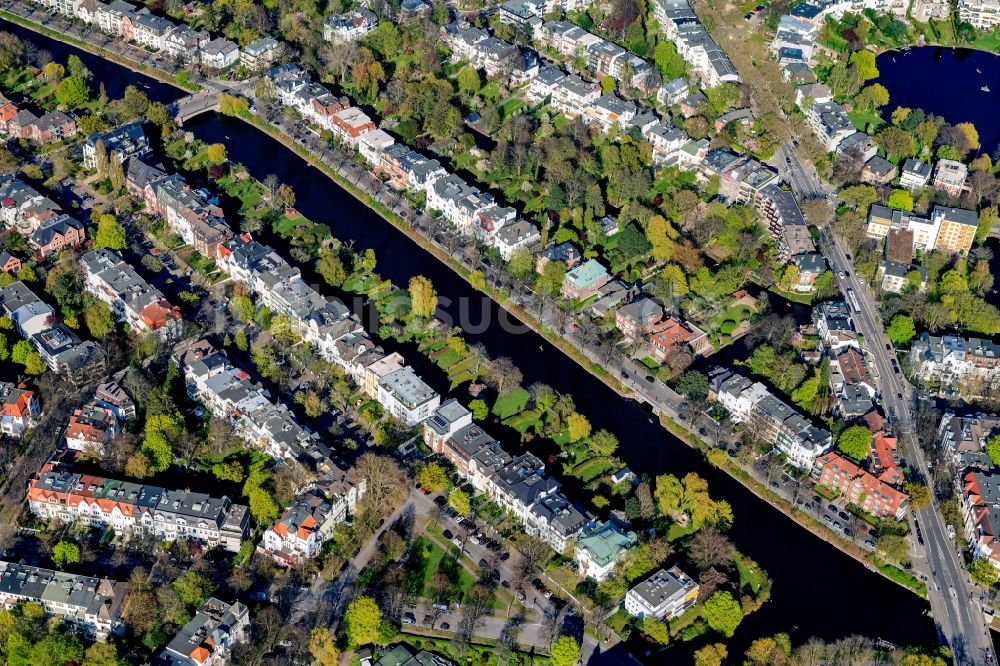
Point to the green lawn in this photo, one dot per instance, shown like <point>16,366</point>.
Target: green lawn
<point>748,577</point>
<point>589,470</point>
<point>511,402</point>
<point>524,422</point>
<point>446,358</point>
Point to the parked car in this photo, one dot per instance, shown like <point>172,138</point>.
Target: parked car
<point>440,500</point>
<point>832,507</point>
<point>844,515</point>
<point>838,527</point>
<point>504,556</point>
<point>827,519</point>
<point>505,585</point>
<point>445,626</point>
<point>483,564</point>
<point>448,535</point>
<point>408,618</point>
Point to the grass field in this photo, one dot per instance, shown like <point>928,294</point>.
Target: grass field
<point>511,402</point>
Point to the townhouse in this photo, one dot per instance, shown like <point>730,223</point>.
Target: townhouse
<point>950,177</point>
<point>773,421</point>
<point>131,299</point>
<point>830,124</point>
<point>35,321</point>
<point>122,142</point>
<point>666,594</point>
<point>981,513</point>
<point>303,528</point>
<point>93,606</point>
<point>184,43</point>
<point>858,146</point>
<point>638,318</point>
<point>51,126</point>
<point>56,493</point>
<point>583,281</point>
<point>209,637</point>
<point>349,124</point>
<point>349,26</point>
<point>19,409</point>
<point>860,487</point>
<point>915,174</point>
<point>667,142</point>
<point>230,393</point>
<point>115,18</point>
<point>742,179</point>
<point>220,53</point>
<point>603,58</point>
<point>151,30</point>
<point>22,207</point>
<point>56,234</point>
<point>9,263</point>
<point>952,362</point>
<point>191,214</point>
<point>483,51</point>
<point>110,395</point>
<point>833,323</point>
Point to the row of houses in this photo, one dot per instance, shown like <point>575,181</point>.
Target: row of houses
<point>37,218</point>
<point>35,321</point>
<point>132,300</point>
<point>24,124</point>
<point>954,363</point>
<point>90,605</point>
<point>519,485</point>
<point>140,26</point>
<point>709,63</point>
<point>230,393</point>
<point>603,58</point>
<point>771,419</point>
<point>964,439</point>
<point>57,493</point>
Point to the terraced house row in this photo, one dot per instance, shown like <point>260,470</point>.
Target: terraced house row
<point>520,486</point>
<point>57,493</point>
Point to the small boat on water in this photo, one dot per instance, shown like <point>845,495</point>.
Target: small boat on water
<point>985,88</point>
<point>978,71</point>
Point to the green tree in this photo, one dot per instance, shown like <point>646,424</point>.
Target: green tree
<point>101,653</point>
<point>992,449</point>
<point>459,500</point>
<point>668,61</point>
<point>920,495</point>
<point>110,233</point>
<point>723,613</point>
<point>983,572</point>
<point>99,319</point>
<point>713,654</point>
<point>72,92</point>
<point>693,385</point>
<point>551,279</point>
<point>65,552</point>
<point>565,651</point>
<point>577,427</point>
<point>522,263</point>
<point>20,352</point>
<point>362,621</point>
<point>332,269</point>
<point>855,442</point>
<point>901,200</point>
<point>865,62</point>
<point>423,297</point>
<point>901,329</point>
<point>33,364</point>
<point>193,588</point>
<point>894,547</point>
<point>242,308</point>
<point>603,443</point>
<point>323,647</point>
<point>478,408</point>
<point>433,477</point>
<point>229,471</point>
<point>215,153</point>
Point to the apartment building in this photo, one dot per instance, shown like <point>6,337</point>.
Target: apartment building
<point>61,350</point>
<point>600,546</point>
<point>131,299</point>
<point>950,177</point>
<point>665,595</point>
<point>303,528</point>
<point>349,26</point>
<point>57,493</point>
<point>209,637</point>
<point>981,513</point>
<point>22,207</point>
<point>20,407</point>
<point>785,222</point>
<point>93,606</point>
<point>707,59</point>
<point>407,397</point>
<point>91,428</point>
<point>860,487</point>
<point>261,53</point>
<point>220,53</point>
<point>956,229</point>
<point>915,174</point>
<point>122,142</point>
<point>830,124</point>
<point>982,14</point>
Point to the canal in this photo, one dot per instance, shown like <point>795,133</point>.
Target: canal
<point>817,591</point>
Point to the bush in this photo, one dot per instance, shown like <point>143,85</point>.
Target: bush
<point>727,327</point>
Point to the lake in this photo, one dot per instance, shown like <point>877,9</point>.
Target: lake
<point>946,82</point>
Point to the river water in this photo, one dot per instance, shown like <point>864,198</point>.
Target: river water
<point>817,591</point>
<point>950,86</point>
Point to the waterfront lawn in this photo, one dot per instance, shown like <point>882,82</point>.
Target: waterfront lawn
<point>525,421</point>
<point>590,469</point>
<point>752,578</point>
<point>511,403</point>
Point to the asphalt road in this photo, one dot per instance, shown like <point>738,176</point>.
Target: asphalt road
<point>960,621</point>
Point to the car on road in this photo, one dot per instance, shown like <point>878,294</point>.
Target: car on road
<point>649,378</point>
<point>870,545</point>
<point>474,539</point>
<point>888,347</point>
<point>775,484</point>
<point>841,275</point>
<point>457,542</point>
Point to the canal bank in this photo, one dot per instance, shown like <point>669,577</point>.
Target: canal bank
<point>806,572</point>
